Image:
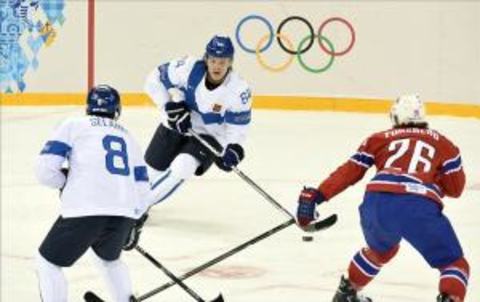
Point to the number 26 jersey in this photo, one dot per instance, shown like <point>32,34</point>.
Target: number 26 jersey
<point>408,161</point>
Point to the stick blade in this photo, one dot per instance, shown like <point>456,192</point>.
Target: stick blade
<point>218,299</point>
<point>91,297</point>
<point>322,224</point>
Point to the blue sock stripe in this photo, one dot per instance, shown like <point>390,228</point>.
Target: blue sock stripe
<point>161,179</point>
<point>364,265</point>
<point>456,273</point>
<point>171,191</point>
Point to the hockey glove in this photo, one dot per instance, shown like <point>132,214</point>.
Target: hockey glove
<point>307,202</point>
<point>178,116</point>
<point>232,157</point>
<point>135,231</point>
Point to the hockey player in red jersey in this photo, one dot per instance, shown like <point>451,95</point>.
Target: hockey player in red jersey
<point>416,167</point>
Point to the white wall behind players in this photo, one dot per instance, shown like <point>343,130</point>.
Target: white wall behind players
<point>430,47</point>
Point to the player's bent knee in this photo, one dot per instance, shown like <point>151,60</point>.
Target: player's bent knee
<point>43,264</point>
<point>102,261</point>
<point>184,166</point>
<point>382,257</point>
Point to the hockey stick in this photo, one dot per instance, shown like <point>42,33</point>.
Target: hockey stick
<point>325,224</point>
<point>174,278</point>
<point>92,297</point>
<point>313,227</point>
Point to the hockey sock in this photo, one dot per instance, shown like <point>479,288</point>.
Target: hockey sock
<point>454,279</point>
<point>182,168</point>
<point>52,281</point>
<point>165,185</point>
<point>117,278</point>
<point>366,264</point>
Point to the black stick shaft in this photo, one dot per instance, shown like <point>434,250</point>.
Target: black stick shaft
<point>261,191</point>
<point>218,259</point>
<point>311,228</point>
<point>243,175</point>
<point>174,278</point>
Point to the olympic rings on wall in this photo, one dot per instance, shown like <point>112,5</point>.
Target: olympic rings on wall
<point>285,43</point>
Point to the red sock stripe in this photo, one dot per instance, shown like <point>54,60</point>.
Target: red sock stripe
<point>357,277</point>
<point>366,264</point>
<point>454,279</point>
<point>453,286</point>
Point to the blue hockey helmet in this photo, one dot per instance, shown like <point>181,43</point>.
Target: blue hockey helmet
<point>104,100</point>
<point>220,47</point>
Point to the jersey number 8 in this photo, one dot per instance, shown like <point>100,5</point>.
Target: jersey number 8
<point>116,159</point>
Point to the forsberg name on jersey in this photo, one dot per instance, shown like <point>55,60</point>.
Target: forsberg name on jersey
<point>395,132</point>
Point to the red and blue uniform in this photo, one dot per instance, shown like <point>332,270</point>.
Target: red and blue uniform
<point>408,160</point>
<point>415,169</point>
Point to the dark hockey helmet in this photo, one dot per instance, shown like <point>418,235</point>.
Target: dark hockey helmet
<point>104,100</point>
<point>220,47</point>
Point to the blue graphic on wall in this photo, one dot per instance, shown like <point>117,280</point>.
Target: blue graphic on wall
<point>26,26</point>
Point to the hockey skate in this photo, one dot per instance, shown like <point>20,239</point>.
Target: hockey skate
<point>444,298</point>
<point>346,293</point>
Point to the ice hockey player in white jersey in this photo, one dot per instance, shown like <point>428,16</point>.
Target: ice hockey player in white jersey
<point>104,192</point>
<point>204,95</point>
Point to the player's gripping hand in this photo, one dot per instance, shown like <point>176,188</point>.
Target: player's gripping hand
<point>135,231</point>
<point>178,116</point>
<point>307,202</point>
<point>232,157</point>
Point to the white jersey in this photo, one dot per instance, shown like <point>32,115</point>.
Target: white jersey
<point>107,173</point>
<point>223,112</point>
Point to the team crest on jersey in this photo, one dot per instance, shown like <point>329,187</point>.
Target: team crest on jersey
<point>216,108</point>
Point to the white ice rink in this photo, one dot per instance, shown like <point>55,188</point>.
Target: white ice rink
<point>212,214</point>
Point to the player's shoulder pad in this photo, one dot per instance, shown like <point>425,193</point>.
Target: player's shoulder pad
<point>74,121</point>
<point>240,90</point>
<point>446,143</point>
<point>183,63</point>
<point>373,139</point>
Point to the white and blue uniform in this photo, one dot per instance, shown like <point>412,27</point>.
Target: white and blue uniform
<point>105,189</point>
<point>107,174</point>
<point>224,112</point>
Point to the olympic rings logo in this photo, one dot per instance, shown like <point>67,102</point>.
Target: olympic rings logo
<point>287,46</point>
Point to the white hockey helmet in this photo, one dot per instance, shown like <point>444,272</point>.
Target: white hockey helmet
<point>408,109</point>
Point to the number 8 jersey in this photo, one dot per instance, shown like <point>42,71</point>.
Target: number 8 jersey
<point>107,174</point>
<point>408,161</point>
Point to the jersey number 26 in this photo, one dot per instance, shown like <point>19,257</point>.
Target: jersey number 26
<point>401,147</point>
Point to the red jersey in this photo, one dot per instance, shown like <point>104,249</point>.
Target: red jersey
<point>408,160</point>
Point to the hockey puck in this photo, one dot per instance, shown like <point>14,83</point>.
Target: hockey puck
<point>307,238</point>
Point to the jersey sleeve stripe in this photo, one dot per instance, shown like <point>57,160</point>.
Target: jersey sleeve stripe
<point>140,173</point>
<point>366,154</point>
<point>363,159</point>
<point>57,148</point>
<point>164,78</point>
<point>359,163</point>
<point>238,118</point>
<point>448,161</point>
<point>453,170</point>
<point>452,165</point>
